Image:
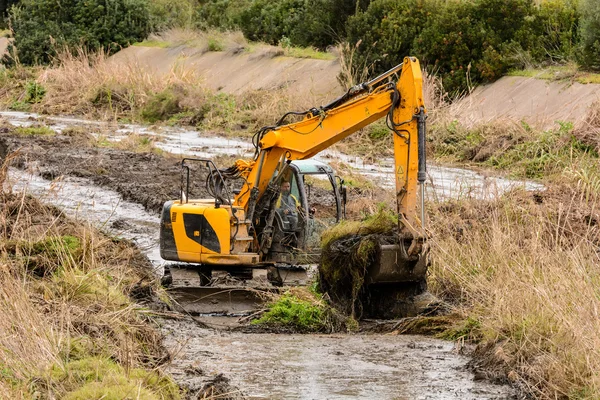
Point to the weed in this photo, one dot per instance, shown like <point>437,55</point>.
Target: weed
<point>294,313</point>
<point>34,92</point>
<point>161,106</point>
<point>214,44</point>
<point>34,131</point>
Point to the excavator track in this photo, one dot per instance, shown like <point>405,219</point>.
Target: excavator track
<point>204,292</point>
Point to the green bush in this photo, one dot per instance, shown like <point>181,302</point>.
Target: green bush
<point>557,30</point>
<point>386,31</point>
<point>222,14</point>
<point>41,27</point>
<point>455,39</point>
<point>167,14</point>
<point>317,23</point>
<point>590,32</point>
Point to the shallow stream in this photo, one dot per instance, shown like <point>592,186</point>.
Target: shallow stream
<point>268,366</point>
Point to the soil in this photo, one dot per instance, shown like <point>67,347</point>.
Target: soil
<point>144,178</point>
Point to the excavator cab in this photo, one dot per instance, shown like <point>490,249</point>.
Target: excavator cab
<point>310,200</point>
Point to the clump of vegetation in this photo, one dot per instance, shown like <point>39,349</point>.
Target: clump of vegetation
<point>590,32</point>
<point>348,249</point>
<point>514,147</point>
<point>291,312</point>
<point>302,310</point>
<point>161,106</point>
<point>41,130</point>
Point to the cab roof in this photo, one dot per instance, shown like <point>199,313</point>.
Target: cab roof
<point>312,167</point>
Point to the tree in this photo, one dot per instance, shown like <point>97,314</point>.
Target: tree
<point>590,32</point>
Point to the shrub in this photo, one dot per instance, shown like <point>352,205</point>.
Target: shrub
<point>43,26</point>
<point>167,14</point>
<point>456,39</point>
<point>590,33</point>
<point>386,31</point>
<point>558,35</point>
<point>317,23</point>
<point>222,14</point>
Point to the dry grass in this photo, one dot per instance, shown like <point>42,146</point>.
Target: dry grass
<point>67,314</point>
<point>525,268</point>
<point>96,86</point>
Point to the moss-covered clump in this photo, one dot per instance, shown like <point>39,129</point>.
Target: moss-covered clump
<point>102,378</point>
<point>302,310</point>
<point>293,313</point>
<point>348,249</point>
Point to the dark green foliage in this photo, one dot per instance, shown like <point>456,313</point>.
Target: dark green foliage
<point>590,32</point>
<point>223,14</point>
<point>5,6</point>
<point>464,42</point>
<point>41,27</point>
<point>387,29</point>
<point>557,30</point>
<point>317,23</point>
<point>167,14</point>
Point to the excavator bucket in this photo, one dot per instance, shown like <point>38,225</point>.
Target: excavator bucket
<point>395,265</point>
<point>395,283</point>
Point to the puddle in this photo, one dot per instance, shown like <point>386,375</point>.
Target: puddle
<point>443,183</point>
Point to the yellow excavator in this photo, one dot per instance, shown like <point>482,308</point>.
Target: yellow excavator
<point>244,231</point>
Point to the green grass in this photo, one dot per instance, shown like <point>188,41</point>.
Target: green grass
<point>307,52</point>
<point>153,43</point>
<point>569,72</point>
<point>34,131</point>
<point>294,313</point>
<point>101,378</point>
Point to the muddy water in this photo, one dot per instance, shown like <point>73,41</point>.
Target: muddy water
<point>444,182</point>
<point>103,208</point>
<point>266,366</point>
<point>270,366</point>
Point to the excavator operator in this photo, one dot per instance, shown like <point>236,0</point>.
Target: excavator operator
<point>287,205</point>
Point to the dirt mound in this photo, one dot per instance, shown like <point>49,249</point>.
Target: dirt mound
<point>237,72</point>
<point>538,102</point>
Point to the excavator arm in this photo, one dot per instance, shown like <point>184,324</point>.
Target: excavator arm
<point>400,101</point>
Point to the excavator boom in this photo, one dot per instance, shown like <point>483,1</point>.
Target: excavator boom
<point>249,231</point>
